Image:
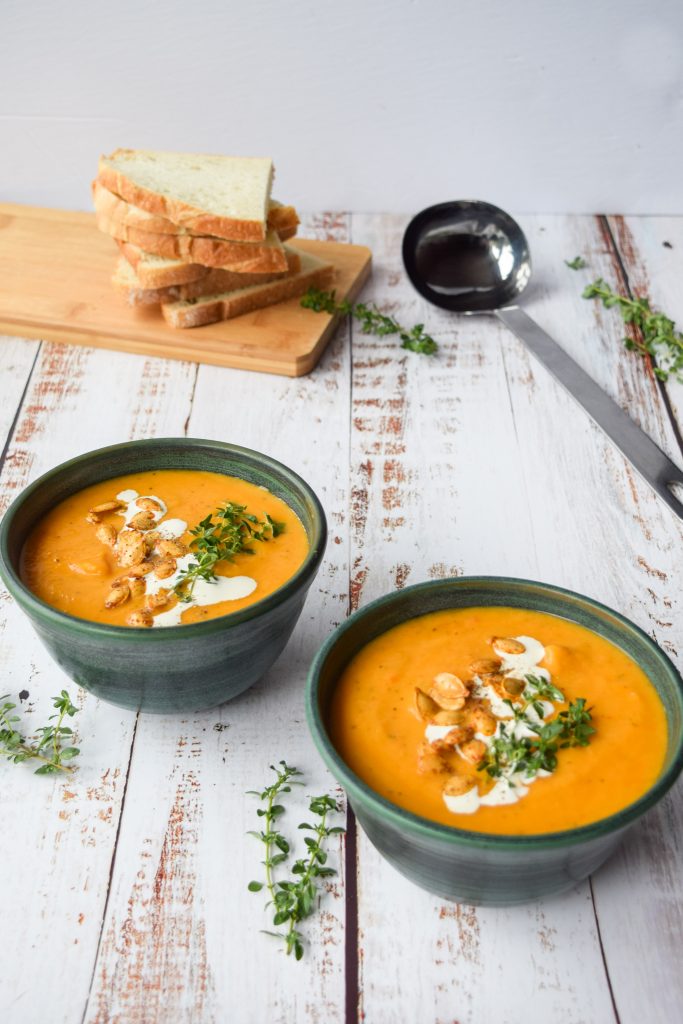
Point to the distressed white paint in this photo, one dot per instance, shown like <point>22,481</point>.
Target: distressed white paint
<point>534,106</point>
<point>184,860</point>
<point>650,249</point>
<point>396,446</point>
<point>59,836</point>
<point>622,546</point>
<point>446,494</point>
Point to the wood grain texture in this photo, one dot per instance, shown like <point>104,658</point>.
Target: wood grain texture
<point>183,857</point>
<point>55,270</point>
<point>474,461</point>
<point>650,251</point>
<point>76,399</point>
<point>17,359</point>
<point>445,428</point>
<point>610,537</point>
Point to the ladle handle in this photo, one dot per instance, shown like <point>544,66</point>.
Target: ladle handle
<point>650,461</point>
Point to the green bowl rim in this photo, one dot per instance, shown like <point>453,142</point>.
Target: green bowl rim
<point>423,827</point>
<point>38,608</point>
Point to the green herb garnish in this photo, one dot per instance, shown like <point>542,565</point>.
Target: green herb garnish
<point>371,320</point>
<point>538,688</point>
<point>508,753</point>
<point>657,336</point>
<point>576,724</point>
<point>294,899</point>
<point>578,263</point>
<point>47,743</point>
<point>219,540</point>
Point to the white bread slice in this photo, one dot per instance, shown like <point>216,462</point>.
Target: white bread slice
<point>160,271</point>
<point>126,281</point>
<point>226,305</point>
<point>211,252</point>
<point>282,219</point>
<point>209,195</point>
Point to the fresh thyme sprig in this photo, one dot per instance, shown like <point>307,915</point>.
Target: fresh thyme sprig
<point>46,745</point>
<point>292,900</point>
<point>371,320</point>
<point>578,263</point>
<point>656,334</point>
<point>509,753</point>
<point>219,540</point>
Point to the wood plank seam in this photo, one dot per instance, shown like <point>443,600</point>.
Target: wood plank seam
<point>351,933</point>
<point>111,873</point>
<point>622,272</point>
<point>186,424</point>
<point>603,954</point>
<point>125,785</point>
<point>660,390</point>
<point>590,882</point>
<point>20,406</point>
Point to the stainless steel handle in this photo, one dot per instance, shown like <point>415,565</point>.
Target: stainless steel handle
<point>650,461</point>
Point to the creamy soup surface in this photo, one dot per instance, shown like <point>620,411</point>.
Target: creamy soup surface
<point>118,552</point>
<point>423,711</point>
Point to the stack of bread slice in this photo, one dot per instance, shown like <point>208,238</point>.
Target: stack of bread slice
<point>200,235</point>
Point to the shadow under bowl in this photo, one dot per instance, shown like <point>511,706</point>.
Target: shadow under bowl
<point>182,668</point>
<point>485,869</point>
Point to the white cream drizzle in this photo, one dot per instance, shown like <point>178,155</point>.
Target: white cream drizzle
<point>205,592</point>
<point>515,786</point>
<point>225,588</point>
<point>171,529</point>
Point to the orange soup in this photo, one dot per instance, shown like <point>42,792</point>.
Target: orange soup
<point>499,720</point>
<point>139,550</point>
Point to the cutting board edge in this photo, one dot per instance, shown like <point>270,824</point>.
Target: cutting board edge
<point>293,358</point>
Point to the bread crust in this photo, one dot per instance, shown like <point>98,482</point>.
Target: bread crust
<point>210,252</point>
<point>159,277</point>
<point>214,281</point>
<point>226,307</point>
<point>183,214</point>
<point>282,219</point>
<point>182,273</point>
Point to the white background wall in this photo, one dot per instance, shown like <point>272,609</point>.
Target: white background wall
<point>537,105</point>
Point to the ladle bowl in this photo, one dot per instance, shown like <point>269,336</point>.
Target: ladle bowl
<point>468,256</point>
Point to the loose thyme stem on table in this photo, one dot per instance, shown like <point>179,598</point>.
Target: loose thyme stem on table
<point>292,900</point>
<point>658,335</point>
<point>46,746</point>
<point>371,320</point>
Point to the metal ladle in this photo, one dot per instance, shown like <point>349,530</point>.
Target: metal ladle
<point>471,257</point>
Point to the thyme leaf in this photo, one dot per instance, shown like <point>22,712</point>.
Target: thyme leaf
<point>50,744</point>
<point>371,320</point>
<point>578,263</point>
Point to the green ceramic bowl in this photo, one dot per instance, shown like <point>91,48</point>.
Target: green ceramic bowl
<point>181,668</point>
<point>474,867</point>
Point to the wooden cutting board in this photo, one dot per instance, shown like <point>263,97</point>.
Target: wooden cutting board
<point>55,270</point>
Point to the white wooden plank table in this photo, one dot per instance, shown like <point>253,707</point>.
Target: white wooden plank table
<point>124,895</point>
